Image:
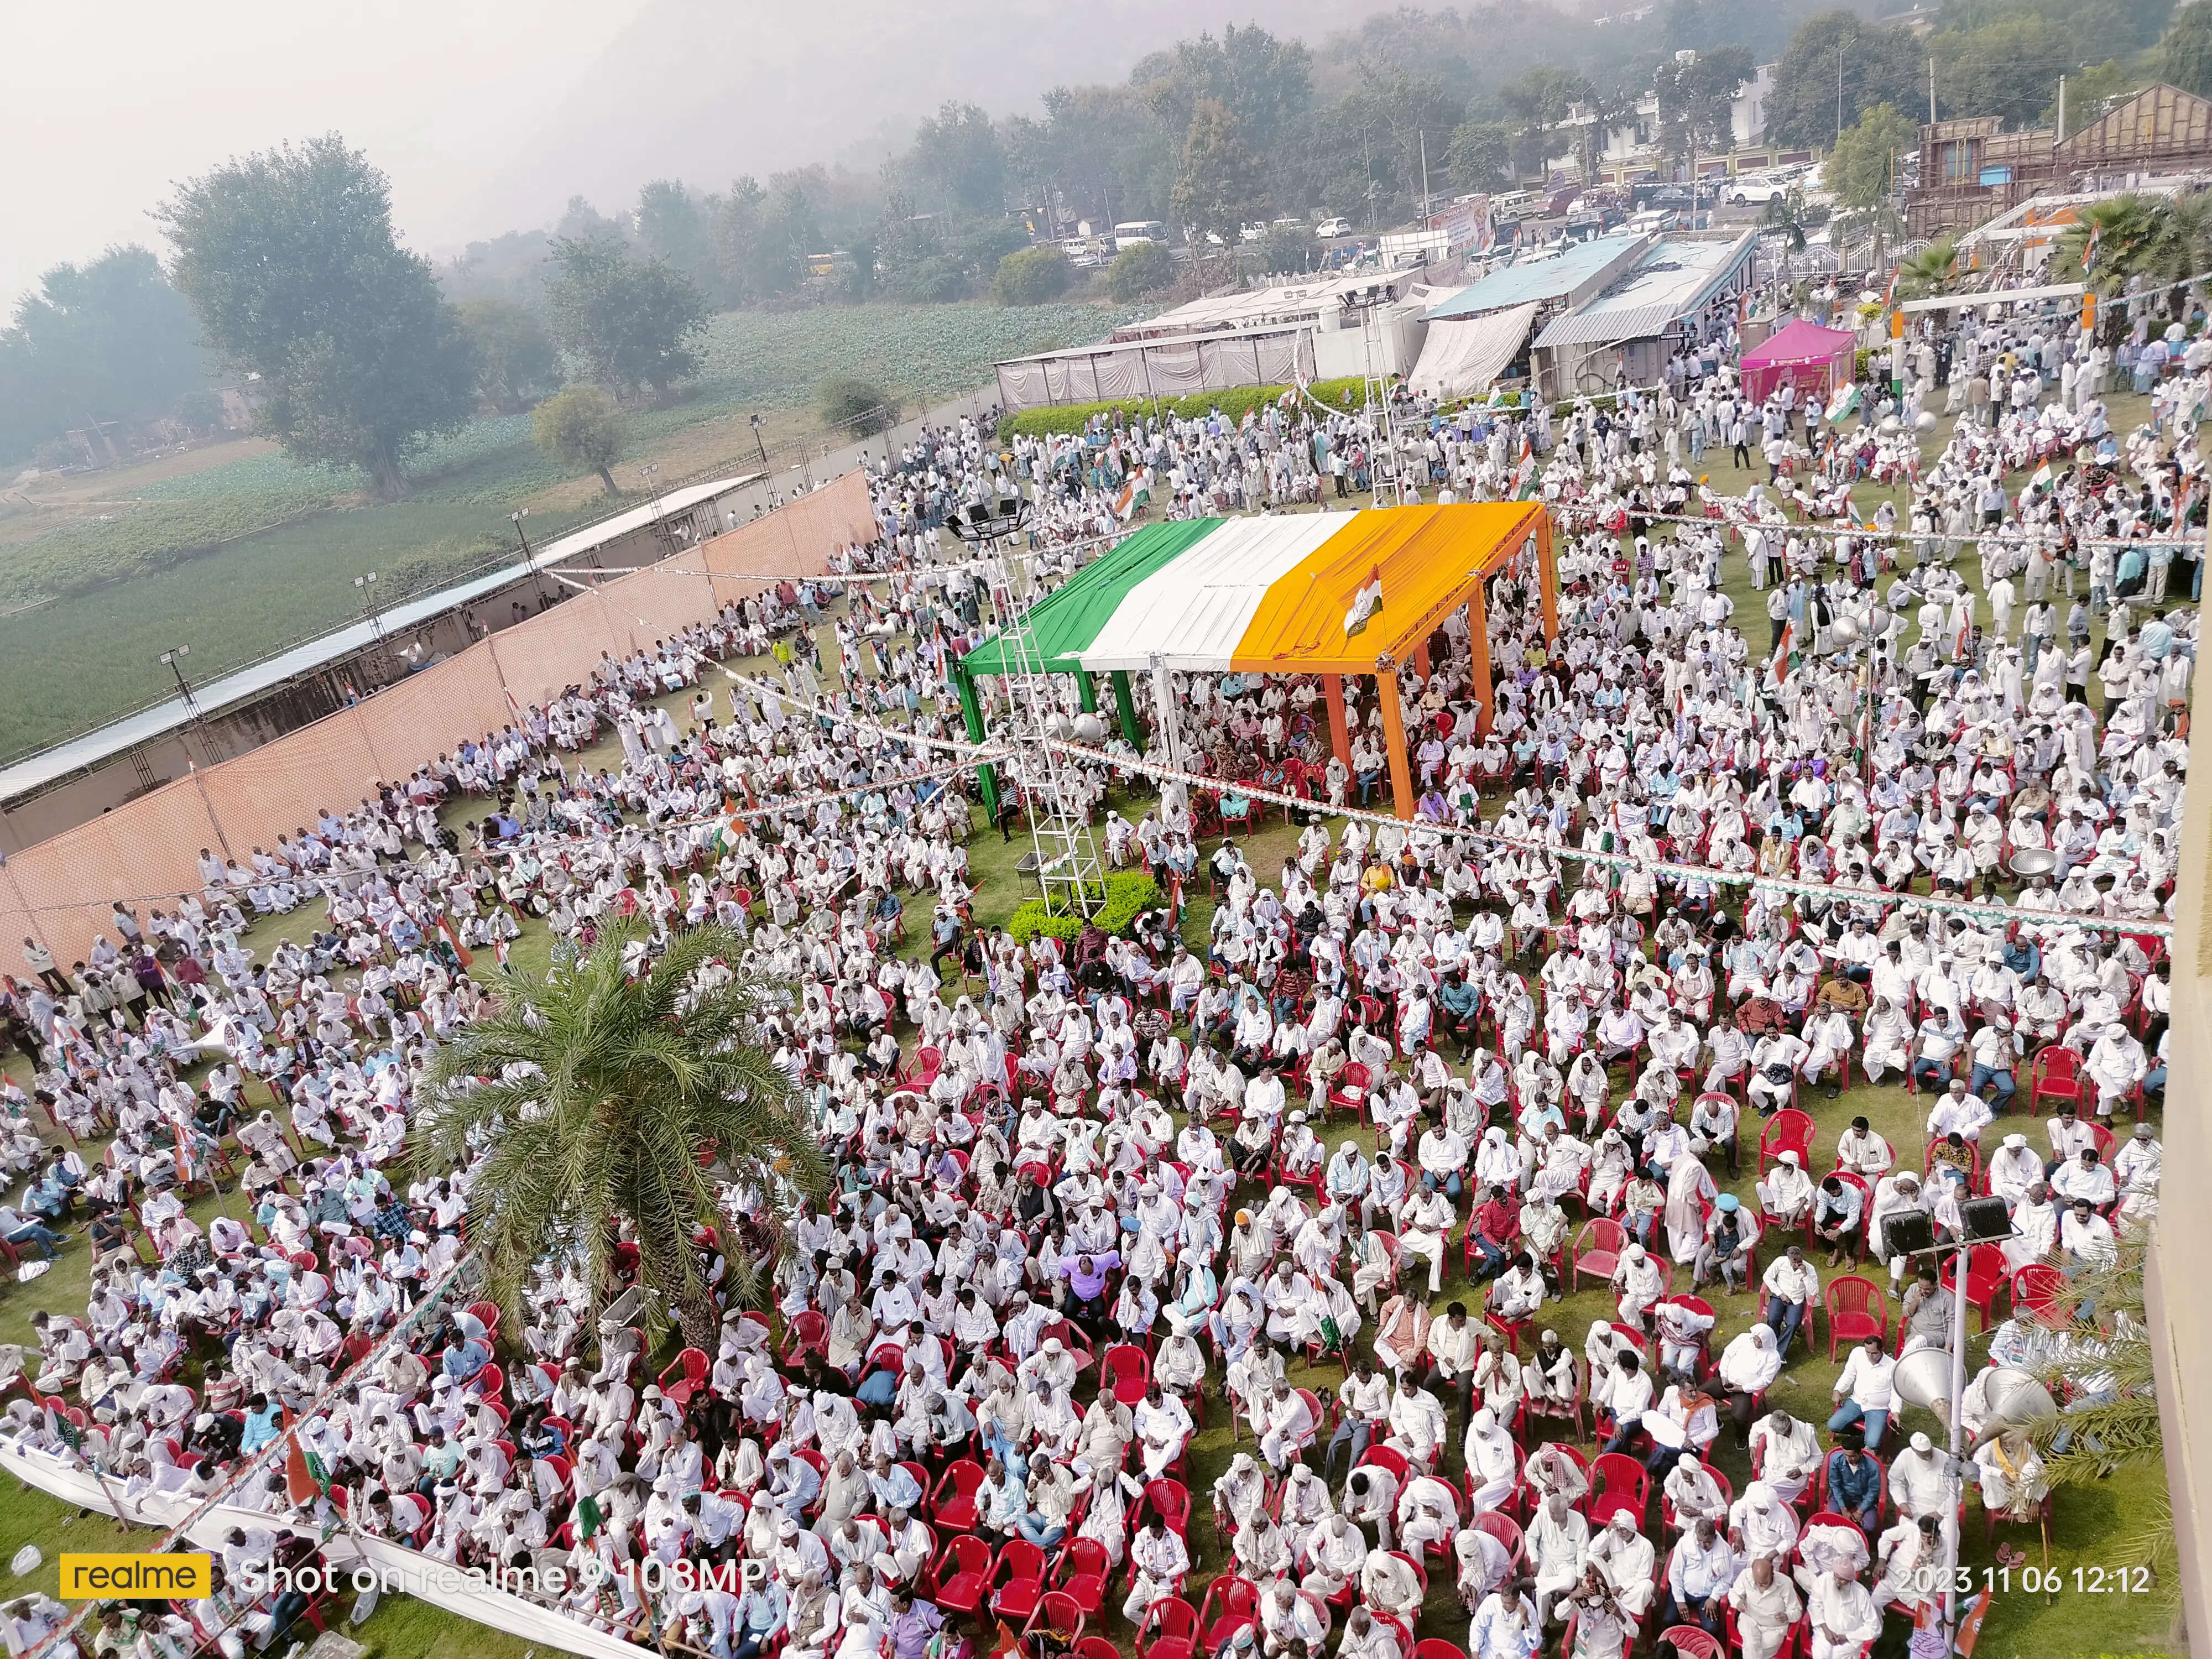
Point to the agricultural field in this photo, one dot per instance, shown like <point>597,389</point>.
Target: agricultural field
<point>243,558</point>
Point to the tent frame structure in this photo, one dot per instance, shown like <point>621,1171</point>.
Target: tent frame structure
<point>1390,640</point>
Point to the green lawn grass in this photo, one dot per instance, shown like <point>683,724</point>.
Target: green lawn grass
<point>2073,1622</point>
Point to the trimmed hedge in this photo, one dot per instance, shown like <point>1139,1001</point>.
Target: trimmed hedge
<point>1233,402</point>
<point>1129,896</point>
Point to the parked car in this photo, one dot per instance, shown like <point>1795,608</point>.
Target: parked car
<point>1754,191</point>
<point>1334,227</point>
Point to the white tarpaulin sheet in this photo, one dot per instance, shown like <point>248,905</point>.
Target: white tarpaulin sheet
<point>396,1566</point>
<point>1462,355</point>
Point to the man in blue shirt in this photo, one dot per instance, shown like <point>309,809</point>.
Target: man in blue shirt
<point>263,1418</point>
<point>1855,1485</point>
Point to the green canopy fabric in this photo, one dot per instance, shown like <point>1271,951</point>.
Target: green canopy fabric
<point>1068,619</point>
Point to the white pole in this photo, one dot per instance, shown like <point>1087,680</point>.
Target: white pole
<point>1957,1437</point>
<point>2062,109</point>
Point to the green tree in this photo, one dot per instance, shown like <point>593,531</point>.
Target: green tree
<point>1218,190</point>
<point>1536,104</point>
<point>596,1094</point>
<point>516,359</point>
<point>672,227</point>
<point>1696,101</point>
<point>1864,164</point>
<point>860,407</point>
<point>1880,66</point>
<point>290,260</point>
<point>111,340</point>
<point>956,156</point>
<point>1138,269</point>
<point>1479,155</point>
<point>629,322</point>
<point>577,427</point>
<point>1031,276</point>
<point>2185,57</point>
<point>1924,274</point>
<point>2009,69</point>
<point>1288,249</point>
<point>755,256</point>
<point>1265,82</point>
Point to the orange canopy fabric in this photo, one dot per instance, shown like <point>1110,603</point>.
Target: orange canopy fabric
<point>1430,561</point>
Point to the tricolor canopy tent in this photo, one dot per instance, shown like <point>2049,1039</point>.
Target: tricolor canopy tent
<point>1807,355</point>
<point>1273,595</point>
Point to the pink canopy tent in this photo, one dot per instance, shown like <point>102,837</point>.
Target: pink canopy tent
<point>1804,355</point>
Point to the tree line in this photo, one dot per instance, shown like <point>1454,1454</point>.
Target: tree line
<point>287,274</point>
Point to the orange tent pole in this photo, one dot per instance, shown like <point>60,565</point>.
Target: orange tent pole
<point>1339,733</point>
<point>1549,570</point>
<point>1393,740</point>
<point>1478,621</point>
<point>1421,657</point>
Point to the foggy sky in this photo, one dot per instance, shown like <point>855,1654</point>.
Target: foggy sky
<point>489,115</point>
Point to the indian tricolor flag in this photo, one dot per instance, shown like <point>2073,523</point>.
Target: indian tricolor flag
<point>1778,669</point>
<point>1365,604</point>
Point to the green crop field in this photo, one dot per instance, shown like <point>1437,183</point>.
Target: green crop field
<point>242,559</point>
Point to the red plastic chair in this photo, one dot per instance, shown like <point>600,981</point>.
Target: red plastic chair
<point>1618,1482</point>
<point>1097,1647</point>
<point>1232,1602</point>
<point>1388,1457</point>
<point>1056,1610</point>
<point>1692,1641</point>
<point>1435,1647</point>
<point>1788,1131</point>
<point>1351,1092</point>
<point>809,1334</point>
<point>2036,1289</point>
<point>1855,1312</point>
<point>2055,1075</point>
<point>1125,1371</point>
<point>1507,1531</point>
<point>686,1375</point>
<point>1019,1580</point>
<point>487,1315</point>
<point>1170,1501</point>
<point>1597,1251</point>
<point>1985,1277</point>
<point>963,1574</point>
<point>1082,1571</point>
<point>1168,1630</point>
<point>953,1503</point>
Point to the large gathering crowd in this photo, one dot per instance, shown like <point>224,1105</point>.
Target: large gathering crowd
<point>1088,1193</point>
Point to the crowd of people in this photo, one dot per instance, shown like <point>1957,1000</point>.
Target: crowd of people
<point>1088,1192</point>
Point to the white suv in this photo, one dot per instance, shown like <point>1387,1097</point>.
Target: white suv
<point>1334,227</point>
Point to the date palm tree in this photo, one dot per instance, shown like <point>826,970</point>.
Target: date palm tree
<point>597,1091</point>
<point>2113,1431</point>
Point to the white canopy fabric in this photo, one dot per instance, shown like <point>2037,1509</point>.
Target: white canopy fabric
<point>1461,356</point>
<point>1193,614</point>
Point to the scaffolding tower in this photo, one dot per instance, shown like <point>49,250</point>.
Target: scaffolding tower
<point>1068,869</point>
<point>1387,462</point>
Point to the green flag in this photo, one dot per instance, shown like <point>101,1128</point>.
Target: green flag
<point>588,1519</point>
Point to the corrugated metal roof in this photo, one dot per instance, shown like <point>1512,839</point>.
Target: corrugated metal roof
<point>1557,277</point>
<point>1672,281</point>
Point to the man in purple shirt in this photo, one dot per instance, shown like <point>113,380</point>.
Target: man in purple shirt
<point>1086,1287</point>
<point>913,1623</point>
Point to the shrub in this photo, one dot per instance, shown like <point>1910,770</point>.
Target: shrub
<point>1129,896</point>
<point>1139,269</point>
<point>859,406</point>
<point>1232,401</point>
<point>1031,276</point>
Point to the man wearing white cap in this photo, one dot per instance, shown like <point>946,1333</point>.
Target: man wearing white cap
<point>1786,1193</point>
<point>2013,1169</point>
<point>1843,1615</point>
<point>2116,1064</point>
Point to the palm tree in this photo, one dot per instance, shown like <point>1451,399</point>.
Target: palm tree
<point>2127,231</point>
<point>598,1092</point>
<point>2117,1435</point>
<point>1924,274</point>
